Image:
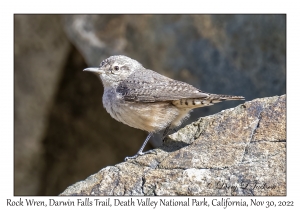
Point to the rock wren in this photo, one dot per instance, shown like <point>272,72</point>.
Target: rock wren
<point>144,99</point>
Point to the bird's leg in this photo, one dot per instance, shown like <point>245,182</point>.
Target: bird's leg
<point>166,131</point>
<point>140,152</point>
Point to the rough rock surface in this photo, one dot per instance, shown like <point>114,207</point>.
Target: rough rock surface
<point>239,151</point>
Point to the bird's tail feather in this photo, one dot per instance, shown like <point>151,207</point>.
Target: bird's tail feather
<point>211,99</point>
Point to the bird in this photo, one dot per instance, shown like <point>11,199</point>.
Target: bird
<point>144,99</point>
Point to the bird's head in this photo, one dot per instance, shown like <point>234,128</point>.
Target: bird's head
<point>115,69</point>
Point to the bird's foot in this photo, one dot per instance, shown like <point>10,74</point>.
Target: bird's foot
<point>140,154</point>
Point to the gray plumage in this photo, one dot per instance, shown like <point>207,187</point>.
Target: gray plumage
<point>144,99</point>
<point>148,86</point>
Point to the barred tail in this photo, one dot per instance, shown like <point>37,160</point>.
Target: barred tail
<point>220,98</point>
<point>211,99</point>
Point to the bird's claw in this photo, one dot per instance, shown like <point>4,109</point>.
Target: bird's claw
<point>140,154</point>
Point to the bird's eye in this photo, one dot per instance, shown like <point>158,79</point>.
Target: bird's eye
<point>116,68</point>
<point>102,63</point>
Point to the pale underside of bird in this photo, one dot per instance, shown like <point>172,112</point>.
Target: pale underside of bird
<point>144,99</point>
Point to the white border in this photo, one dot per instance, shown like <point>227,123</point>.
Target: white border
<point>128,6</point>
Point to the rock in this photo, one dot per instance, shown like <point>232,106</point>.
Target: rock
<point>239,151</point>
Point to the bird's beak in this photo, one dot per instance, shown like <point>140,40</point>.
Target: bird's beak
<point>94,69</point>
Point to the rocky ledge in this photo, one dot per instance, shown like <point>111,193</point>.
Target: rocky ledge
<point>238,151</point>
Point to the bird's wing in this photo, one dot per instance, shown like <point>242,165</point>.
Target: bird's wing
<point>149,86</point>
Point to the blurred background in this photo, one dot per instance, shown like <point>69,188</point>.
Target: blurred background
<point>62,133</point>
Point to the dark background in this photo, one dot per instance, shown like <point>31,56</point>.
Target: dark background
<point>62,133</point>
